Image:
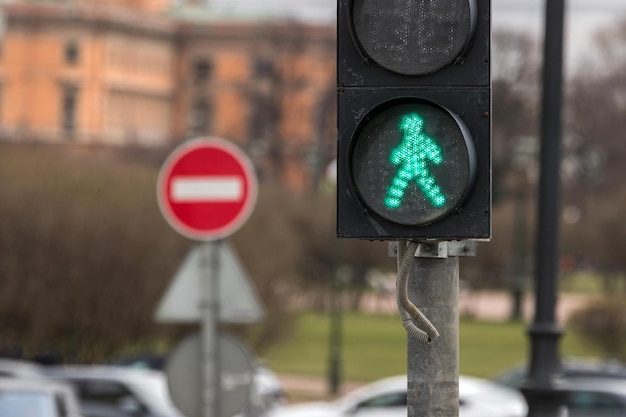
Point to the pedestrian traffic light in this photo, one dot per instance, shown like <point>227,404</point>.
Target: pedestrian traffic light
<point>414,129</point>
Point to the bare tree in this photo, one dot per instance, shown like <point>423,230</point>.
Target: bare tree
<point>593,163</point>
<point>291,67</point>
<point>515,97</point>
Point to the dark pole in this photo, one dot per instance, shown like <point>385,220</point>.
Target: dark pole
<point>339,276</point>
<point>544,389</point>
<point>518,269</point>
<point>334,359</point>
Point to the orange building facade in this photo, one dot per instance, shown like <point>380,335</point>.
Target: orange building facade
<point>125,72</point>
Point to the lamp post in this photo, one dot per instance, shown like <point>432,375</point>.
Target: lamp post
<point>544,389</point>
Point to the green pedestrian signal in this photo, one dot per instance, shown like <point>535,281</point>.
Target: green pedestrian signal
<point>413,156</point>
<point>413,162</point>
<point>414,119</point>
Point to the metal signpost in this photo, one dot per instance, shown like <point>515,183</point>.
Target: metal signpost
<point>206,190</point>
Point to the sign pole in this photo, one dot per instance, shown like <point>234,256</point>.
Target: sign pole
<point>206,190</point>
<point>210,267</point>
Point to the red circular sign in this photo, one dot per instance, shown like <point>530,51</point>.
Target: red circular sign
<point>206,189</point>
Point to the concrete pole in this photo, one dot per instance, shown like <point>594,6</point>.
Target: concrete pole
<point>433,369</point>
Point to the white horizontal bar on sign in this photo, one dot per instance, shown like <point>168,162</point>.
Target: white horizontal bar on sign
<point>188,189</point>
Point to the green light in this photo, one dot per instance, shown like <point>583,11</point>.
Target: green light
<point>412,157</point>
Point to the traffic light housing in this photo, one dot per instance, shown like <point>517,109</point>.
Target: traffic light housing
<point>414,129</point>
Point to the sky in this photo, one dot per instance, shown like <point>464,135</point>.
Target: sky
<point>584,17</point>
<point>520,12</point>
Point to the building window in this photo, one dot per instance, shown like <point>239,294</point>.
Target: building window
<point>263,68</point>
<point>68,109</point>
<point>71,52</point>
<point>263,119</point>
<point>200,118</point>
<point>202,69</point>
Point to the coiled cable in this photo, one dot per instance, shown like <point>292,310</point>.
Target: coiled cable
<point>413,320</point>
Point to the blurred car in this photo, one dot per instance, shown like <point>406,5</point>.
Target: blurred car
<point>145,360</point>
<point>596,397</point>
<point>16,368</point>
<point>269,388</point>
<point>109,391</point>
<point>267,393</point>
<point>571,369</point>
<point>21,397</point>
<point>388,398</point>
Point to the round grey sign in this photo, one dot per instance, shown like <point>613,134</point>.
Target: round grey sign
<point>184,376</point>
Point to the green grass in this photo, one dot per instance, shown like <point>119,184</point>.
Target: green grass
<point>581,282</point>
<point>374,346</point>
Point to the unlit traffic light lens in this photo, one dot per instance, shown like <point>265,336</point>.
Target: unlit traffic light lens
<point>413,37</point>
<point>413,163</point>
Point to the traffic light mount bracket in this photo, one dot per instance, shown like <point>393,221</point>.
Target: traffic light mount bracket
<point>446,249</point>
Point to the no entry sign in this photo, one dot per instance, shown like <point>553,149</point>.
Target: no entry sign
<point>206,189</point>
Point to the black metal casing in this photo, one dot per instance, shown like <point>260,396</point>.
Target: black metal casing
<point>463,88</point>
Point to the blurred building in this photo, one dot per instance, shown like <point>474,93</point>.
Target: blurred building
<point>146,73</point>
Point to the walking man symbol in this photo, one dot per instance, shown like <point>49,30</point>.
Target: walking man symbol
<point>413,156</point>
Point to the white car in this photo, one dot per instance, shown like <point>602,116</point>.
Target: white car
<point>21,397</point>
<point>267,393</point>
<point>16,368</point>
<point>109,391</point>
<point>388,398</point>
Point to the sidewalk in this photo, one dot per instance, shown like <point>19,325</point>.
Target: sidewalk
<point>485,305</point>
<point>497,305</point>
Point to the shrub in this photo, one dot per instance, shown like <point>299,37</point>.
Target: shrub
<point>602,323</point>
